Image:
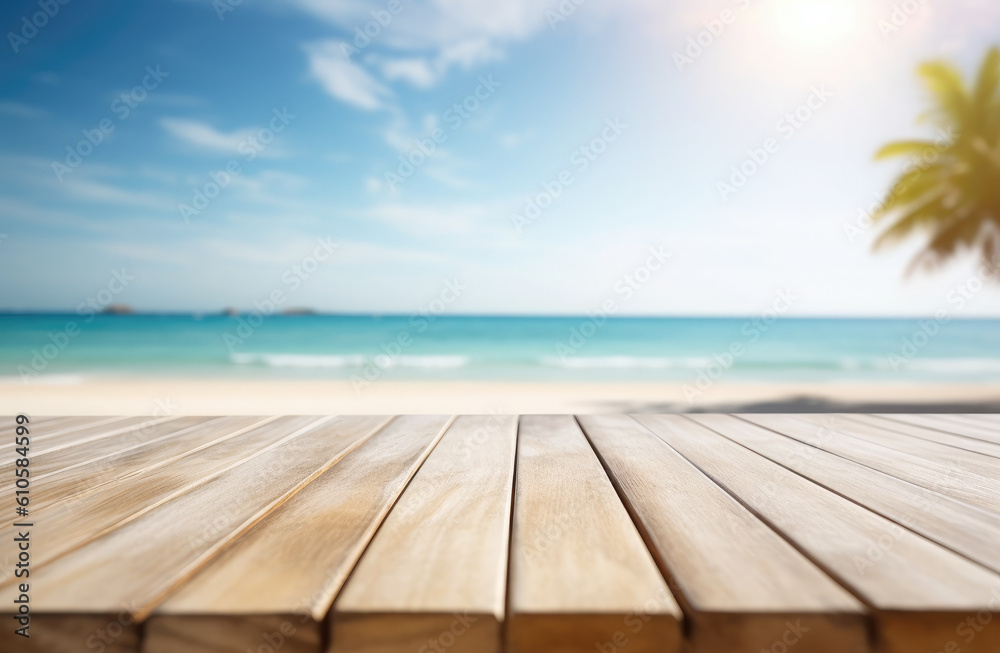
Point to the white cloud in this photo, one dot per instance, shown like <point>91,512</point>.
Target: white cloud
<point>438,24</point>
<point>415,71</point>
<point>469,53</point>
<point>204,136</point>
<point>425,72</point>
<point>342,79</point>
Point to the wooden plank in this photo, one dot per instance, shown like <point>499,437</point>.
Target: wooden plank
<point>135,567</point>
<point>155,449</point>
<point>931,435</point>
<point>45,463</point>
<point>970,461</point>
<point>87,432</point>
<point>8,425</point>
<point>949,424</point>
<point>63,431</point>
<point>742,587</point>
<point>931,474</point>
<point>580,574</point>
<point>968,530</point>
<point>282,576</point>
<point>981,419</point>
<point>435,573</point>
<point>76,514</point>
<point>908,580</point>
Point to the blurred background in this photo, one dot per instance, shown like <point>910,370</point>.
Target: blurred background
<point>679,195</point>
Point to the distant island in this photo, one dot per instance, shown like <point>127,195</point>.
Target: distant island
<point>118,309</point>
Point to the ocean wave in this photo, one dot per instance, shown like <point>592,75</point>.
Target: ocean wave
<point>315,361</point>
<point>45,379</point>
<point>625,362</point>
<point>954,365</point>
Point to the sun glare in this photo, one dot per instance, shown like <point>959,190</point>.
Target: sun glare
<point>817,22</point>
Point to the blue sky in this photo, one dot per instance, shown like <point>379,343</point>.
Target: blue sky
<point>612,97</point>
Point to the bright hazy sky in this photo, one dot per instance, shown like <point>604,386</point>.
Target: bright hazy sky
<point>549,84</point>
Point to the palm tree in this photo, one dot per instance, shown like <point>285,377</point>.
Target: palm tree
<point>951,191</point>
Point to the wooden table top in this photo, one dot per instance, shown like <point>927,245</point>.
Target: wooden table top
<point>489,533</point>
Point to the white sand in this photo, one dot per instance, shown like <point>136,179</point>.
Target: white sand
<point>148,396</point>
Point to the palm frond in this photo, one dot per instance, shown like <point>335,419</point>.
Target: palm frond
<point>903,148</point>
<point>988,79</point>
<point>945,82</point>
<point>912,221</point>
<point>953,196</point>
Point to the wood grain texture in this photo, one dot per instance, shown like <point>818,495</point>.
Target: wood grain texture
<point>991,420</point>
<point>8,425</point>
<point>969,461</point>
<point>80,431</point>
<point>283,574</point>
<point>742,587</point>
<point>114,632</point>
<point>66,483</point>
<point>141,563</point>
<point>976,427</point>
<point>968,530</point>
<point>894,570</point>
<point>580,573</point>
<point>72,514</point>
<point>435,573</point>
<point>911,430</point>
<point>90,454</point>
<point>936,475</point>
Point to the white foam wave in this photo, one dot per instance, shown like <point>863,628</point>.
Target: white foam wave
<point>625,362</point>
<point>316,361</point>
<point>954,365</point>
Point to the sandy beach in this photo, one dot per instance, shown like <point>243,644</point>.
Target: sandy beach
<point>161,396</point>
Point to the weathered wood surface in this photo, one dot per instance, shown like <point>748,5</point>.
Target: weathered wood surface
<point>555,534</point>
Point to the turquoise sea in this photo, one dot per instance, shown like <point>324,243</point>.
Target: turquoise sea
<point>67,348</point>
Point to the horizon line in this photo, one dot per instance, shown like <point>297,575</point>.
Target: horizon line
<point>583,316</point>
